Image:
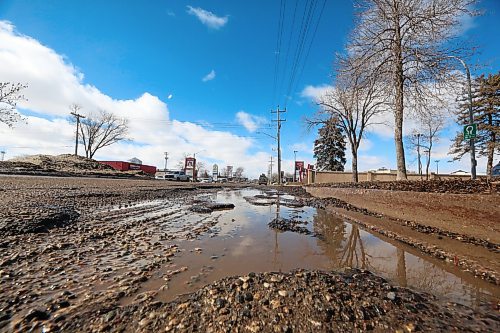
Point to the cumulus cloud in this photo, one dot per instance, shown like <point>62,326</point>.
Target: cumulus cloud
<point>209,77</point>
<point>249,121</point>
<point>208,18</point>
<point>315,93</point>
<point>54,83</point>
<point>303,147</point>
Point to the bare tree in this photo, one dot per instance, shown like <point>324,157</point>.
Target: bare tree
<point>239,172</point>
<point>432,124</point>
<point>414,142</point>
<point>423,138</point>
<point>354,102</point>
<point>408,42</point>
<point>10,94</point>
<point>102,130</point>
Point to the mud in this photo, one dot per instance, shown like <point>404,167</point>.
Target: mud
<point>439,222</point>
<point>455,186</point>
<point>138,258</point>
<point>300,301</point>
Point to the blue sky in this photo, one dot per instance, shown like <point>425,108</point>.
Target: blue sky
<point>125,49</point>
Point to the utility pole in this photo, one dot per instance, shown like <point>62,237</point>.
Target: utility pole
<point>75,109</point>
<point>166,159</point>
<point>271,171</point>
<point>3,154</point>
<point>278,128</point>
<point>294,165</point>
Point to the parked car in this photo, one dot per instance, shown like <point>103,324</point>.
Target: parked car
<point>495,171</point>
<point>179,176</point>
<point>262,179</point>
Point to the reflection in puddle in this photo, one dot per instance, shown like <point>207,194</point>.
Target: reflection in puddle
<point>242,242</point>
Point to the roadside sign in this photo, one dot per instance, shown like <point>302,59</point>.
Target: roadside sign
<point>299,165</point>
<point>470,131</point>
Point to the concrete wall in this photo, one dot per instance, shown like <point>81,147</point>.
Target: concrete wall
<point>346,177</point>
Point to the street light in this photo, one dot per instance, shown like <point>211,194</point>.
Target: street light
<point>195,173</point>
<point>437,167</point>
<point>194,155</point>
<point>294,165</point>
<point>471,118</point>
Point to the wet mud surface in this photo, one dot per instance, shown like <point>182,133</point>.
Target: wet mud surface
<point>148,257</point>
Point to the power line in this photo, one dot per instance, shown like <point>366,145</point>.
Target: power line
<point>310,46</point>
<point>278,46</point>
<point>288,48</point>
<point>306,21</point>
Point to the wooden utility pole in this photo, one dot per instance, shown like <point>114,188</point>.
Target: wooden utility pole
<point>75,109</point>
<point>278,129</point>
<point>270,181</point>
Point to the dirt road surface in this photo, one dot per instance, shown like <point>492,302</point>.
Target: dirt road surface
<point>84,254</point>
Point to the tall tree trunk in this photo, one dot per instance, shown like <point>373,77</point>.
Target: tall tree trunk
<point>428,159</point>
<point>398,136</point>
<point>354,153</point>
<point>491,148</point>
<point>399,107</point>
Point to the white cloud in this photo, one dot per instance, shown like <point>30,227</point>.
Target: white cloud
<point>249,121</point>
<point>209,77</point>
<point>54,84</point>
<point>303,147</point>
<point>208,18</point>
<point>315,93</point>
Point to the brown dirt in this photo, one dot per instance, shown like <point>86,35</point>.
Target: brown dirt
<point>64,165</point>
<point>473,215</point>
<point>435,223</point>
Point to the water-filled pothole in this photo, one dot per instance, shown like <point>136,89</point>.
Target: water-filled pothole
<point>240,241</point>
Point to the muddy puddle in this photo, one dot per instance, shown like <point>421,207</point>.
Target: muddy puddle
<point>238,241</point>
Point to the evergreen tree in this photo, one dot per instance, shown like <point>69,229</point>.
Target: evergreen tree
<point>486,114</point>
<point>329,147</point>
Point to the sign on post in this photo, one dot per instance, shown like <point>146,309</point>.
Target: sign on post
<point>215,172</point>
<point>190,166</point>
<point>470,131</point>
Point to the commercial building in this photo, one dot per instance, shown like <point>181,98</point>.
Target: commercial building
<point>128,166</point>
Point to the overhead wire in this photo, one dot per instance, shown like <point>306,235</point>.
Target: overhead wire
<point>289,45</point>
<point>306,20</point>
<point>310,44</point>
<point>278,46</point>
<point>305,33</point>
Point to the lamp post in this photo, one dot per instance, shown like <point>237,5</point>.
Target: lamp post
<point>166,159</point>
<point>195,173</point>
<point>437,167</point>
<point>471,118</point>
<point>295,165</point>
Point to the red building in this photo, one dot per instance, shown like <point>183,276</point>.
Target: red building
<point>126,166</point>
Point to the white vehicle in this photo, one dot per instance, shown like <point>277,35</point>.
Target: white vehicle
<point>179,176</point>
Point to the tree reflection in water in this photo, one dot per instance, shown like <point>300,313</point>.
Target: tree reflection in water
<point>340,242</point>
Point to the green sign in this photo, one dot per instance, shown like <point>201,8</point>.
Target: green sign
<point>470,131</point>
